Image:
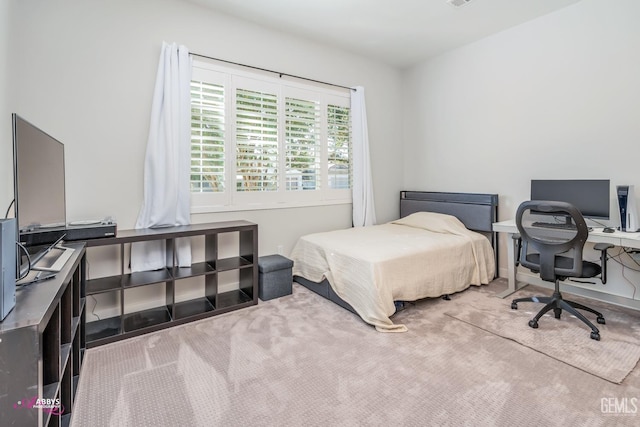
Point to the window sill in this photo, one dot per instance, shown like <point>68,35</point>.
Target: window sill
<point>265,206</point>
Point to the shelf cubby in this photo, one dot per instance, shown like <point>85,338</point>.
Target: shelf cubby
<point>192,307</point>
<point>232,298</point>
<point>51,340</point>
<point>196,269</point>
<point>103,329</point>
<point>146,318</point>
<point>104,284</point>
<point>232,263</point>
<point>66,382</point>
<point>143,278</point>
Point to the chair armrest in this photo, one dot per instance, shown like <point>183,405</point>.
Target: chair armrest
<point>603,247</point>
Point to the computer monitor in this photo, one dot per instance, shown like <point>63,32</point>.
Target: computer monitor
<point>39,184</point>
<point>590,196</point>
<point>39,193</point>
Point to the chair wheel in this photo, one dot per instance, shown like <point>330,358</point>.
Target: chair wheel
<point>557,312</point>
<point>514,306</point>
<point>533,324</point>
<point>595,336</point>
<point>600,320</point>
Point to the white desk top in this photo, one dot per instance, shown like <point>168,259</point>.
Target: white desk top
<point>617,238</point>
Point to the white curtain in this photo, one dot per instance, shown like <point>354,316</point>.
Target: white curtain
<point>167,162</point>
<point>363,205</point>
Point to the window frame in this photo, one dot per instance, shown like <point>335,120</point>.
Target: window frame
<point>230,199</point>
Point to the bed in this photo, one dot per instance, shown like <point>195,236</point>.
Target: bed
<point>441,244</point>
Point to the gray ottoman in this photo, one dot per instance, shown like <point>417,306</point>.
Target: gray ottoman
<point>275,276</point>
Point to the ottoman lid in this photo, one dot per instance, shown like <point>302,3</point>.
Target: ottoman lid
<point>273,263</point>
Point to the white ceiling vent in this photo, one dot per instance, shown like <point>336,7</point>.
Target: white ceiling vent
<point>458,3</point>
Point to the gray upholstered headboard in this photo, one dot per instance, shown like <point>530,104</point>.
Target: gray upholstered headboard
<point>476,211</point>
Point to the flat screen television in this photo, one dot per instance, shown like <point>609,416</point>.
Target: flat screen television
<point>590,196</point>
<point>39,185</point>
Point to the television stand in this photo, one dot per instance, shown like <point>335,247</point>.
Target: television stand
<point>42,348</point>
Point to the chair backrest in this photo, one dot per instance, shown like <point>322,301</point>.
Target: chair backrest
<point>550,243</point>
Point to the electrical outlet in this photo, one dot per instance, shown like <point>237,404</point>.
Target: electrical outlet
<point>280,249</point>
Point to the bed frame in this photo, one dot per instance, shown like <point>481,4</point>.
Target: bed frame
<point>476,211</point>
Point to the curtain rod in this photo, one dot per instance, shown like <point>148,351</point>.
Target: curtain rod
<point>270,71</point>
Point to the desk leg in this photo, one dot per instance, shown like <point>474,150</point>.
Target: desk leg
<point>511,265</point>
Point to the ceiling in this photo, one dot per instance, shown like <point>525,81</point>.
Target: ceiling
<point>398,32</point>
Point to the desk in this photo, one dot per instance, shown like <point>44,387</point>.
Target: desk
<point>617,238</point>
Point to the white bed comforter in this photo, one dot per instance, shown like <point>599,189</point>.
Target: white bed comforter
<point>423,255</point>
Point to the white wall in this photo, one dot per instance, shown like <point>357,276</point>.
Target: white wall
<point>566,82</point>
<point>84,72</point>
<point>6,153</point>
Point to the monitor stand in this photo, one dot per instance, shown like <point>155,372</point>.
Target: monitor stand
<point>54,260</point>
<point>47,259</point>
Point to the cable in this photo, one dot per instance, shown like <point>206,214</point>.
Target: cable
<point>597,222</point>
<point>95,300</point>
<point>6,215</point>
<point>635,288</point>
<point>95,304</point>
<point>617,258</point>
<point>21,246</point>
<point>628,252</point>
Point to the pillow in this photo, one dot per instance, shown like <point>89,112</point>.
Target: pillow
<point>433,221</point>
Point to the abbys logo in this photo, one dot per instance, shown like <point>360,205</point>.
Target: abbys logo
<point>51,406</point>
<point>47,403</point>
<point>619,405</point>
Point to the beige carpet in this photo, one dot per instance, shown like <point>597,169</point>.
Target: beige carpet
<point>568,339</point>
<point>303,361</point>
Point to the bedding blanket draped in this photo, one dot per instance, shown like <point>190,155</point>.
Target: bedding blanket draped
<point>422,255</point>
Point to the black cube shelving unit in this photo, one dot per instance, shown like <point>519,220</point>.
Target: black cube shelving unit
<point>42,345</point>
<point>210,303</point>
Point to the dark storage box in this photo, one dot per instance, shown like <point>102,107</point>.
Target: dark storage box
<point>275,276</point>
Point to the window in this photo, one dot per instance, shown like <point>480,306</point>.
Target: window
<point>260,142</point>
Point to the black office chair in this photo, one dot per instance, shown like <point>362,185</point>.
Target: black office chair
<point>556,254</point>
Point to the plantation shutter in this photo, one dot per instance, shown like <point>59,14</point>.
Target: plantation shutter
<point>207,137</point>
<point>256,141</point>
<point>260,142</point>
<point>302,142</point>
<point>339,147</point>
